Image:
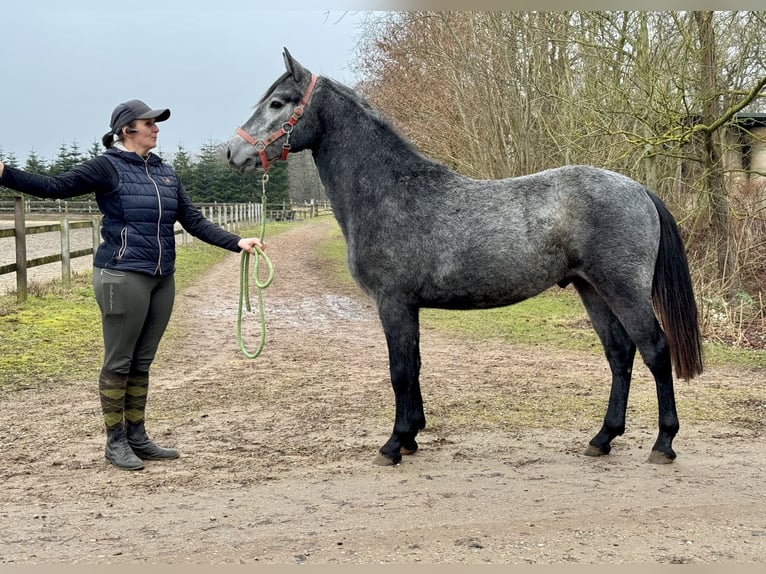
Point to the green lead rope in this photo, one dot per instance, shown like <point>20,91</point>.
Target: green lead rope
<point>244,283</point>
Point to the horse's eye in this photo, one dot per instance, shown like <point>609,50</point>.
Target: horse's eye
<point>275,104</point>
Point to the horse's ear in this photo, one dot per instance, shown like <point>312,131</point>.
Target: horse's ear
<point>292,66</point>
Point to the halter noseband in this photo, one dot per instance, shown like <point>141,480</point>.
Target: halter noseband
<point>286,129</point>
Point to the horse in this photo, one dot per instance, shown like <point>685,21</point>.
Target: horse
<point>421,235</point>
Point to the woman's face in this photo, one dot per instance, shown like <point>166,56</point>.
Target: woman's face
<point>143,138</point>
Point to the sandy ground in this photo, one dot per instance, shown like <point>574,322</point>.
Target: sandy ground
<point>277,452</point>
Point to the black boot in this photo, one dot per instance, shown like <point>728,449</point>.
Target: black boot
<point>136,394</point>
<point>144,447</point>
<point>118,451</point>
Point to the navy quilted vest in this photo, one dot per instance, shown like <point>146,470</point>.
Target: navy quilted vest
<point>139,216</point>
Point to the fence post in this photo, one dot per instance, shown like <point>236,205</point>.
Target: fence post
<point>21,248</point>
<point>66,264</point>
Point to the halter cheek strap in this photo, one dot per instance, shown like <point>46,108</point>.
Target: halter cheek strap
<point>286,129</point>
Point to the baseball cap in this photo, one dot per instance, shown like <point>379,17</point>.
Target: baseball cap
<point>131,110</point>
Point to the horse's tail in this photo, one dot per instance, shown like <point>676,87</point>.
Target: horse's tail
<point>673,297</point>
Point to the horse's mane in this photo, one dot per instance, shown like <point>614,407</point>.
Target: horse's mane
<point>369,110</point>
<point>379,119</point>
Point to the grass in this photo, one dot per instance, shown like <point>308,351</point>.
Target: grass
<point>53,337</point>
<point>555,318</point>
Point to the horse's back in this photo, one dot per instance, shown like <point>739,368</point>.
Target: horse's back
<point>572,205</point>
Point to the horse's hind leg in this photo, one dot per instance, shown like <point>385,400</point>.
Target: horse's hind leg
<point>401,327</point>
<point>620,353</point>
<point>636,315</point>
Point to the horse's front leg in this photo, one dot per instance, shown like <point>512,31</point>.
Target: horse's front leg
<point>401,327</point>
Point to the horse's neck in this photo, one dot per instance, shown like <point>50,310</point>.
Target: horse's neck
<point>338,190</point>
<point>359,160</point>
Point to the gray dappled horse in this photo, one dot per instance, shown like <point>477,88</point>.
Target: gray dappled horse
<point>421,235</point>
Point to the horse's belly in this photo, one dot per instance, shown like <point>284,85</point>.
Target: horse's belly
<point>467,303</point>
<point>482,296</point>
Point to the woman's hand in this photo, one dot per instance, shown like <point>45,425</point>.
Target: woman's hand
<point>250,243</point>
<point>2,167</point>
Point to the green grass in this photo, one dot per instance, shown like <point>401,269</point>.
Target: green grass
<point>718,354</point>
<point>555,318</point>
<point>53,337</point>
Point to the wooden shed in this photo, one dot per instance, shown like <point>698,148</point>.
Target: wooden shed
<point>745,152</point>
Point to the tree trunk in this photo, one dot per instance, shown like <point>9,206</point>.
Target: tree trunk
<point>714,175</point>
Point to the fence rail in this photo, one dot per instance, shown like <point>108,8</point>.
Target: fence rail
<point>228,216</point>
<point>84,208</point>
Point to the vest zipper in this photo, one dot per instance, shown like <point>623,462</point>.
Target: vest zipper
<point>158,269</point>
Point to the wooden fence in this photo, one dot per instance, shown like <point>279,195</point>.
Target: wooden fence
<point>55,209</point>
<point>228,216</point>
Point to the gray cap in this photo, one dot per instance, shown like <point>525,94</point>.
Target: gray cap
<point>131,110</point>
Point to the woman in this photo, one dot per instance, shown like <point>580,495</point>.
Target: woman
<point>140,198</point>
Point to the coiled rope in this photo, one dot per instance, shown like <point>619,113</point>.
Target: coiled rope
<point>244,282</point>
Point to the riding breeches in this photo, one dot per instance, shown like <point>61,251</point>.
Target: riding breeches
<point>135,310</point>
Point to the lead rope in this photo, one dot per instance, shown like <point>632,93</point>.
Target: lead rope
<point>244,282</point>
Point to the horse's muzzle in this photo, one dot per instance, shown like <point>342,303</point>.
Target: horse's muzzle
<point>239,160</point>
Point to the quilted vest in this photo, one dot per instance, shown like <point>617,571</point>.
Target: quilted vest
<point>139,216</point>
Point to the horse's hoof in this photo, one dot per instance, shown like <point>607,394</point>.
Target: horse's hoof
<point>593,450</point>
<point>658,457</point>
<point>386,460</point>
<point>409,449</point>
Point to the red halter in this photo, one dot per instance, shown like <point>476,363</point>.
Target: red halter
<point>287,128</point>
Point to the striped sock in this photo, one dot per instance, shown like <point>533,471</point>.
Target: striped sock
<point>111,388</point>
<point>135,397</point>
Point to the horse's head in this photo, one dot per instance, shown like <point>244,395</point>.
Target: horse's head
<point>274,128</point>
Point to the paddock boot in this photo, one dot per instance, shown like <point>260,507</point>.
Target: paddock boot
<point>118,450</point>
<point>135,408</point>
<point>111,388</point>
<point>144,447</point>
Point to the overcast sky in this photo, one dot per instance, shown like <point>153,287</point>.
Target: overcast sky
<point>65,65</point>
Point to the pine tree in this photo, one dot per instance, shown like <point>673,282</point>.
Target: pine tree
<point>68,157</point>
<point>206,175</point>
<point>34,164</point>
<point>182,164</point>
<point>94,150</point>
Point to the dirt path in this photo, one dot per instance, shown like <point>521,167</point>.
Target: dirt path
<point>277,452</point>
